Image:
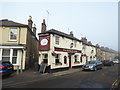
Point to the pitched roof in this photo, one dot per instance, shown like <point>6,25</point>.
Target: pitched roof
<point>53,31</point>
<point>9,23</point>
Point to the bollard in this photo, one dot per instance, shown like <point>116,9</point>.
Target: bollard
<point>17,70</point>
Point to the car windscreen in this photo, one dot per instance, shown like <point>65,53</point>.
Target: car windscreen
<point>92,62</point>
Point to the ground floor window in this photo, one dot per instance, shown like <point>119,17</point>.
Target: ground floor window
<point>9,55</point>
<point>14,56</point>
<point>90,57</point>
<point>81,59</point>
<point>5,54</point>
<point>45,58</point>
<point>65,59</point>
<point>57,58</point>
<point>76,58</point>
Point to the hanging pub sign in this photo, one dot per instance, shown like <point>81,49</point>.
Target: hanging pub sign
<point>44,42</point>
<point>67,50</point>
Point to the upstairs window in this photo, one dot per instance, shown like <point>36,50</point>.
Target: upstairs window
<point>56,40</point>
<point>13,34</point>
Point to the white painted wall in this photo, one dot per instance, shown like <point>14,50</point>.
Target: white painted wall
<point>65,43</point>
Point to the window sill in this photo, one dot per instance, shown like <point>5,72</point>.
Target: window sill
<point>66,63</point>
<point>76,62</point>
<point>12,41</point>
<point>57,64</point>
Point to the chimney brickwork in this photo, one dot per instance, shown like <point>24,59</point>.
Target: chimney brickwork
<point>34,29</point>
<point>43,28</point>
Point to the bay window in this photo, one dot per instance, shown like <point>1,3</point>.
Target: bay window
<point>6,55</point>
<point>9,55</point>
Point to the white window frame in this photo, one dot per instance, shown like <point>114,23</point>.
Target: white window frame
<point>75,44</point>
<point>5,56</point>
<point>11,55</point>
<point>57,40</point>
<point>77,57</point>
<point>59,55</point>
<point>1,54</point>
<point>12,50</point>
<point>10,34</point>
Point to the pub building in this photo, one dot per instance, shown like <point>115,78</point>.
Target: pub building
<point>59,50</point>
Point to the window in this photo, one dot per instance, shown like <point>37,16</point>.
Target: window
<point>57,58</point>
<point>57,40</point>
<point>13,34</point>
<point>76,58</point>
<point>81,59</point>
<point>9,55</point>
<point>75,43</point>
<point>6,55</point>
<point>92,51</point>
<point>90,57</point>
<point>45,58</point>
<point>65,59</point>
<point>14,57</point>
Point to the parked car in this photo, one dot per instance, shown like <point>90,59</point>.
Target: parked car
<point>108,63</point>
<point>6,68</point>
<point>93,65</point>
<point>116,61</point>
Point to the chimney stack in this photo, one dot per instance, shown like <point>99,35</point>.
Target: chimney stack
<point>30,22</point>
<point>90,42</point>
<point>34,29</point>
<point>84,39</point>
<point>43,28</point>
<point>71,33</point>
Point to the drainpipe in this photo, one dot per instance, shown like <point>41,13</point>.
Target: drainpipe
<point>22,61</point>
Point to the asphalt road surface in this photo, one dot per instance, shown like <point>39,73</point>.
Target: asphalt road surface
<point>102,78</point>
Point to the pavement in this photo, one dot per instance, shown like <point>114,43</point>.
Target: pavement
<point>28,77</point>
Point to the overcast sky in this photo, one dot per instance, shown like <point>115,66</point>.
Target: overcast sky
<point>97,21</point>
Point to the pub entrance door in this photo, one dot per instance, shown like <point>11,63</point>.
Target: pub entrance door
<point>70,58</point>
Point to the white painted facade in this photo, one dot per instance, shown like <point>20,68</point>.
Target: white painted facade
<point>65,42</point>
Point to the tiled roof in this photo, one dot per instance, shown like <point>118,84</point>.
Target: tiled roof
<point>9,23</point>
<point>53,31</point>
<point>89,44</point>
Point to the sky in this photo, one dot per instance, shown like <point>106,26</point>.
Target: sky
<point>97,21</point>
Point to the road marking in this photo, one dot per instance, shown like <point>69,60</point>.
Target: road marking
<point>8,82</point>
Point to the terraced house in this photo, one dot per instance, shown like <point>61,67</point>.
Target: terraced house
<point>61,50</point>
<point>16,42</point>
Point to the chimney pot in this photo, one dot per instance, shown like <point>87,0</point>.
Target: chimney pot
<point>30,22</point>
<point>71,33</point>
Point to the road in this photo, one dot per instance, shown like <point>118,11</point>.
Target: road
<point>102,78</point>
